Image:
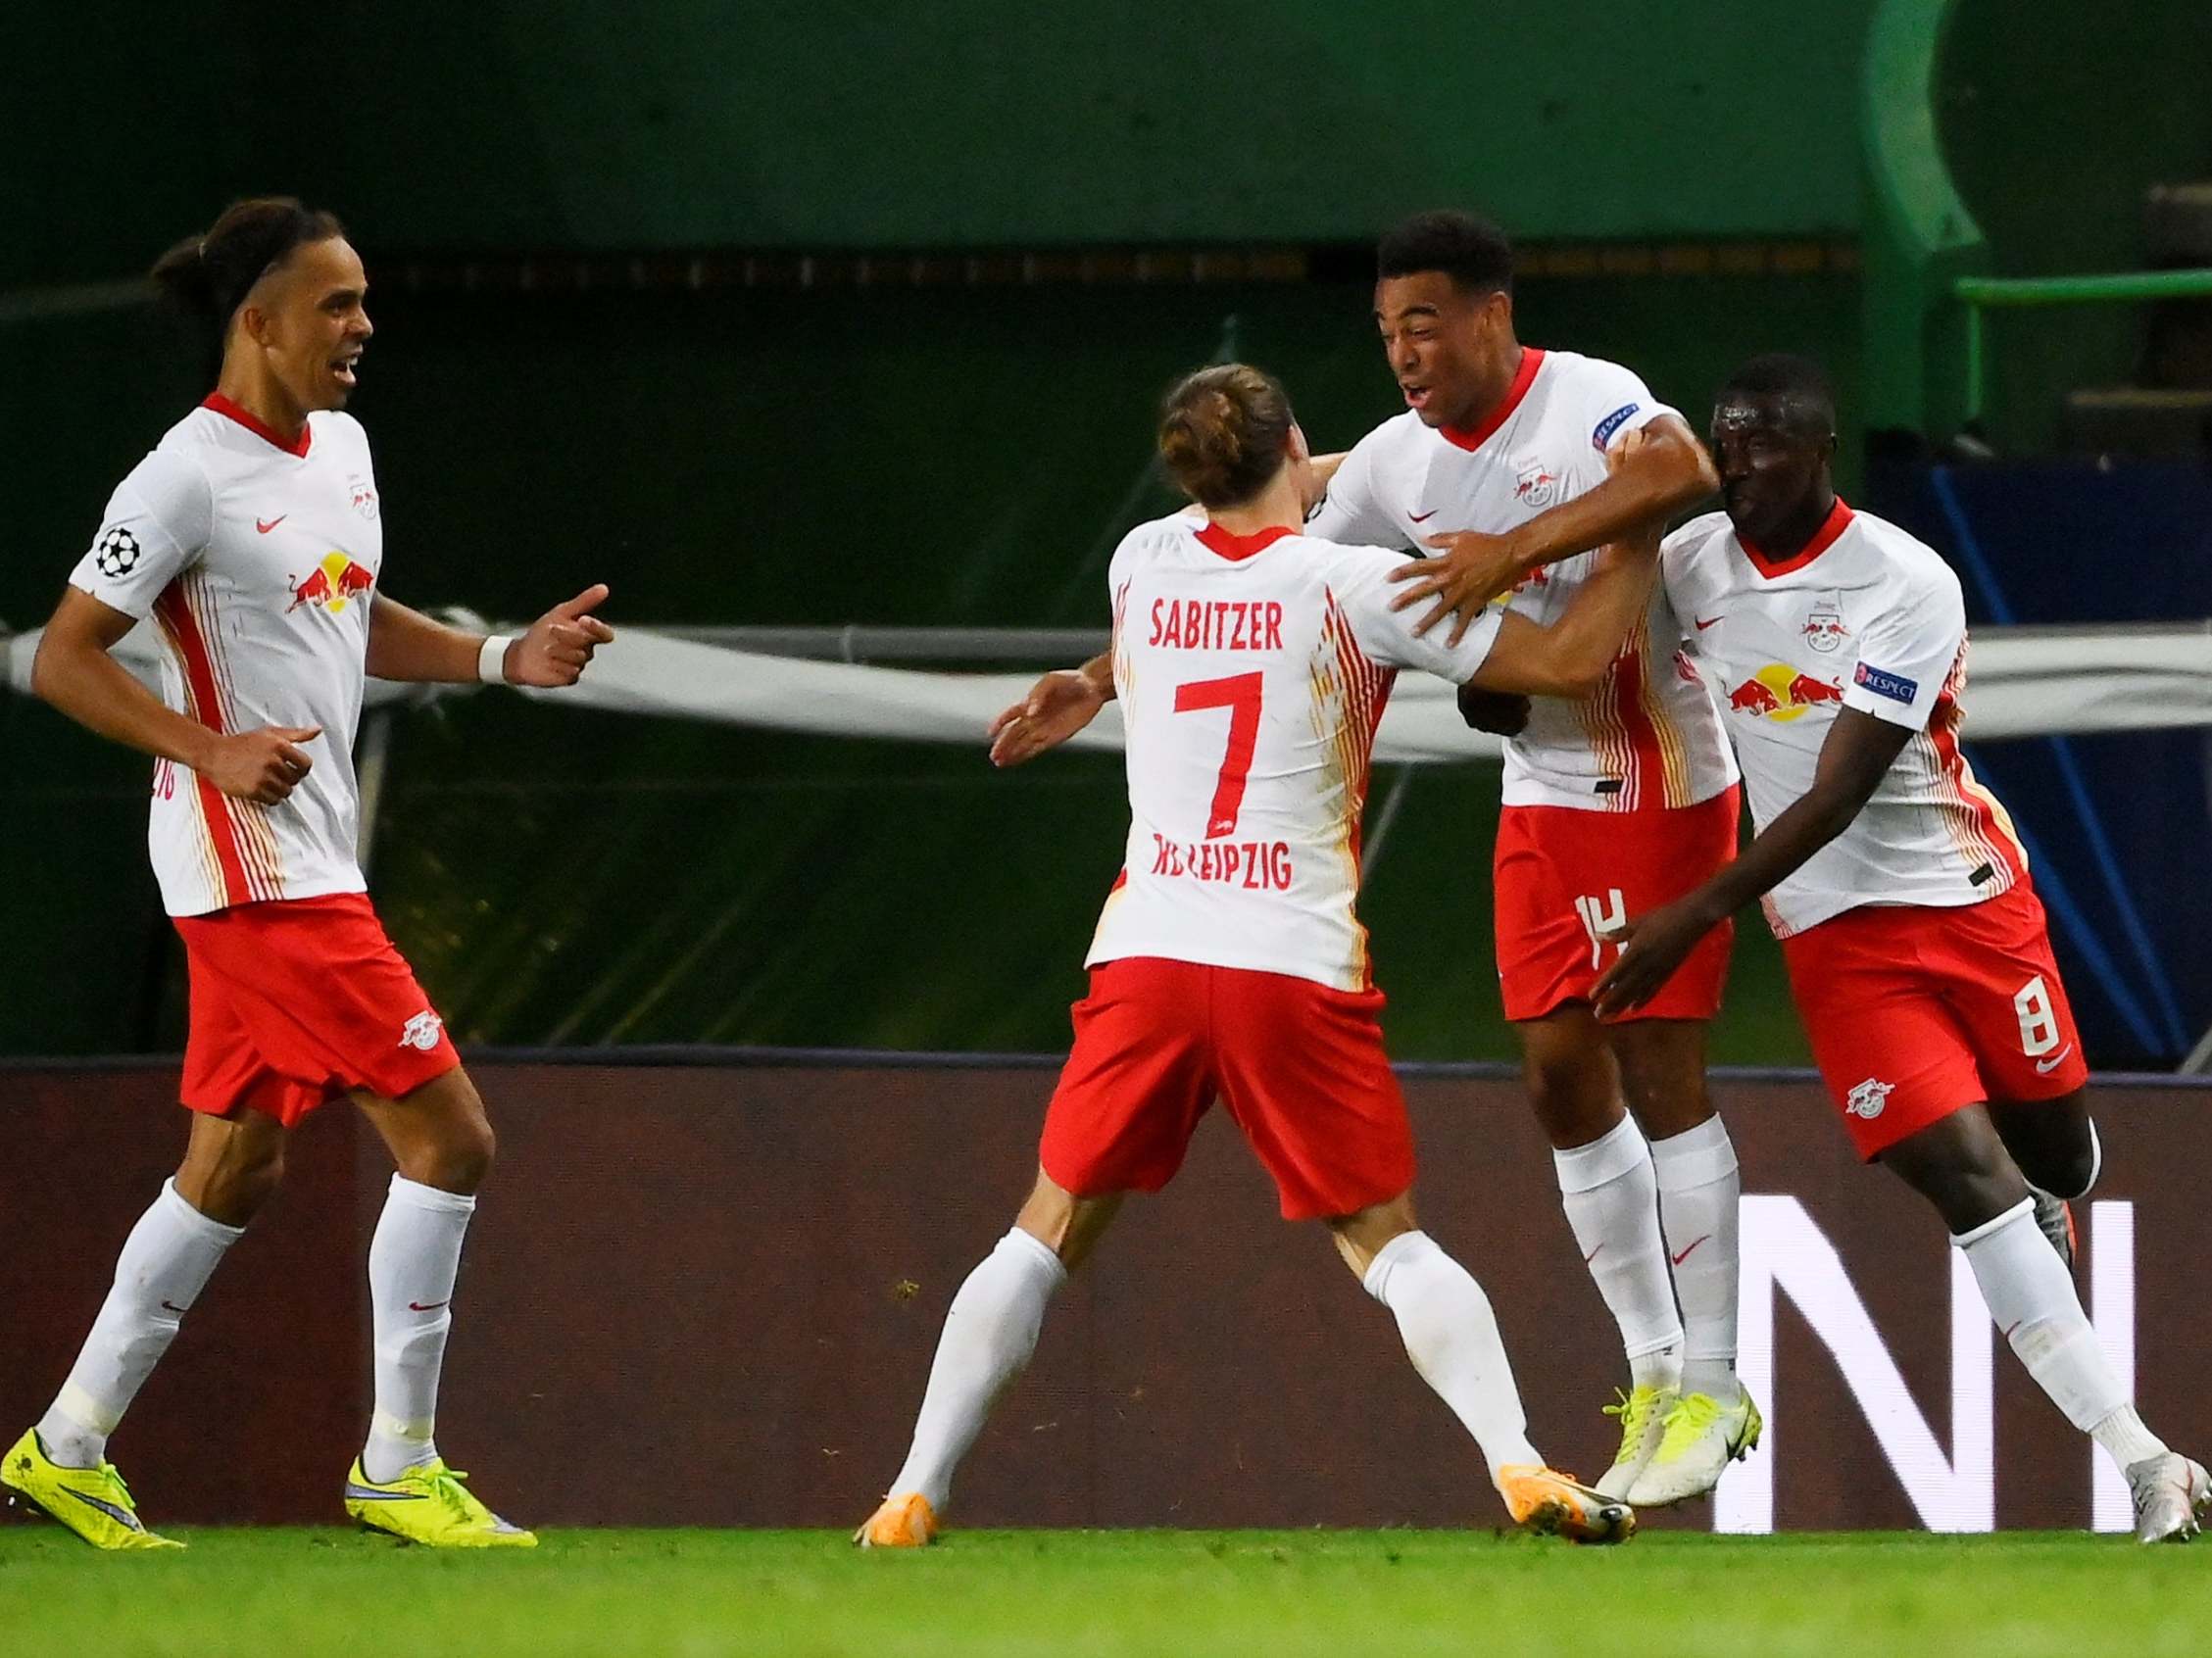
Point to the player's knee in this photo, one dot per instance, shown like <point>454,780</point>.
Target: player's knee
<point>2066,1170</point>
<point>235,1188</point>
<point>1575,1102</point>
<point>456,1158</point>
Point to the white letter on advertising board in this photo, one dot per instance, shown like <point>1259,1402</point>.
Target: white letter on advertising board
<point>1784,1252</point>
<point>2112,1309</point>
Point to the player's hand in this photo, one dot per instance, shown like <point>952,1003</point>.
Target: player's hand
<point>1057,707</point>
<point>1653,945</point>
<point>1471,569</point>
<point>264,766</point>
<point>560,644</point>
<point>1503,712</point>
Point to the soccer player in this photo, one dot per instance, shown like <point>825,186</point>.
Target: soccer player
<point>251,536</point>
<point>1917,951</point>
<point>1616,801</point>
<point>1252,662</point>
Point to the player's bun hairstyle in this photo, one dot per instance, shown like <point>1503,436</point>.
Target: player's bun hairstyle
<point>1473,252</point>
<point>1799,380</point>
<point>1223,433</point>
<point>207,276</point>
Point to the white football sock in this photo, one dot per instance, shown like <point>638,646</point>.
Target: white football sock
<point>1700,1192</point>
<point>990,1331</point>
<point>1452,1336</point>
<point>166,1263</point>
<point>1610,1193</point>
<point>2032,1297</point>
<point>413,1262</point>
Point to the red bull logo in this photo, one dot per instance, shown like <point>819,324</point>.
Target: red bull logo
<point>331,585</point>
<point>1779,692</point>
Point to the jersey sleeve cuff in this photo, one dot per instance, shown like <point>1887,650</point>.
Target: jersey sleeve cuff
<point>1885,710</point>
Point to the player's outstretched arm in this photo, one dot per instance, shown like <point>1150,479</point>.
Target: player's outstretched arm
<point>1856,754</point>
<point>1570,656</point>
<point>1057,707</point>
<point>1654,471</point>
<point>409,647</point>
<point>74,673</point>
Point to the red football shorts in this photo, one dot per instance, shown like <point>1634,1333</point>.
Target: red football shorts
<point>1564,876</point>
<point>1300,1068</point>
<point>299,999</point>
<point>1915,1012</point>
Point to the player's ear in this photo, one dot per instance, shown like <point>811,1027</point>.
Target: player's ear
<point>1298,451</point>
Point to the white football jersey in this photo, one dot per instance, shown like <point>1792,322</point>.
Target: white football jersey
<point>257,562</point>
<point>1865,618</point>
<point>1649,734</point>
<point>1252,672</point>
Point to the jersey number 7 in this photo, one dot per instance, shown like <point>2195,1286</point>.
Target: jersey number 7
<point>1240,695</point>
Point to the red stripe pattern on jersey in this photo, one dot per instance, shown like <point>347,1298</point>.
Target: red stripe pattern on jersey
<point>257,835</point>
<point>1349,693</point>
<point>1635,738</point>
<point>182,630</point>
<point>1976,820</point>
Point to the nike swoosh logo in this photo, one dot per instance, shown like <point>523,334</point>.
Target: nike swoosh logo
<point>369,1493</point>
<point>1593,1255</point>
<point>2014,1325</point>
<point>120,1516</point>
<point>1685,1255</point>
<point>2045,1067</point>
<point>264,525</point>
<point>1703,624</point>
<point>1424,517</point>
<point>171,1307</point>
<point>417,1306</point>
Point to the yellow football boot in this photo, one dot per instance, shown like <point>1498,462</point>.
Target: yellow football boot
<point>92,1502</point>
<point>429,1505</point>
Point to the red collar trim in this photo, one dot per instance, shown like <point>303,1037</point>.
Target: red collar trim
<point>1238,548</point>
<point>259,427</point>
<point>1474,437</point>
<point>1839,520</point>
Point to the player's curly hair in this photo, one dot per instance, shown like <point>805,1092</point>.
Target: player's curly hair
<point>1223,433</point>
<point>1473,252</point>
<point>209,276</point>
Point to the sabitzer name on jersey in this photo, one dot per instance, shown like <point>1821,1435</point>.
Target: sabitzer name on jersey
<point>1258,867</point>
<point>1216,624</point>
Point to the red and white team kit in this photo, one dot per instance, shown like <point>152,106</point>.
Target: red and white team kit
<point>1615,804</point>
<point>257,561</point>
<point>1229,957</point>
<point>1917,951</point>
<point>1252,672</point>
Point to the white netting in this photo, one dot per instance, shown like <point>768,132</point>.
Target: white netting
<point>2026,682</point>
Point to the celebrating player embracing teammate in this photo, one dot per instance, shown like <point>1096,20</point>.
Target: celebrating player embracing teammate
<point>1618,797</point>
<point>251,536</point>
<point>1916,947</point>
<point>1252,662</point>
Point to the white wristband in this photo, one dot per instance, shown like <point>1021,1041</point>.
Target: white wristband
<point>491,661</point>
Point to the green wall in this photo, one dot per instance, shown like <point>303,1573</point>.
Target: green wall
<point>687,123</point>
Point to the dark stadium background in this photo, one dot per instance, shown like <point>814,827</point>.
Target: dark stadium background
<point>843,432</point>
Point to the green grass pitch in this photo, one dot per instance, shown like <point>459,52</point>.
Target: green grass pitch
<point>1090,1595</point>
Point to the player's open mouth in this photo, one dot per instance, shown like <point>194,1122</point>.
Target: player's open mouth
<point>1416,397</point>
<point>342,368</point>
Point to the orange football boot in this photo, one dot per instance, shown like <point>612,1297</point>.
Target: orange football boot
<point>1554,1504</point>
<point>903,1522</point>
